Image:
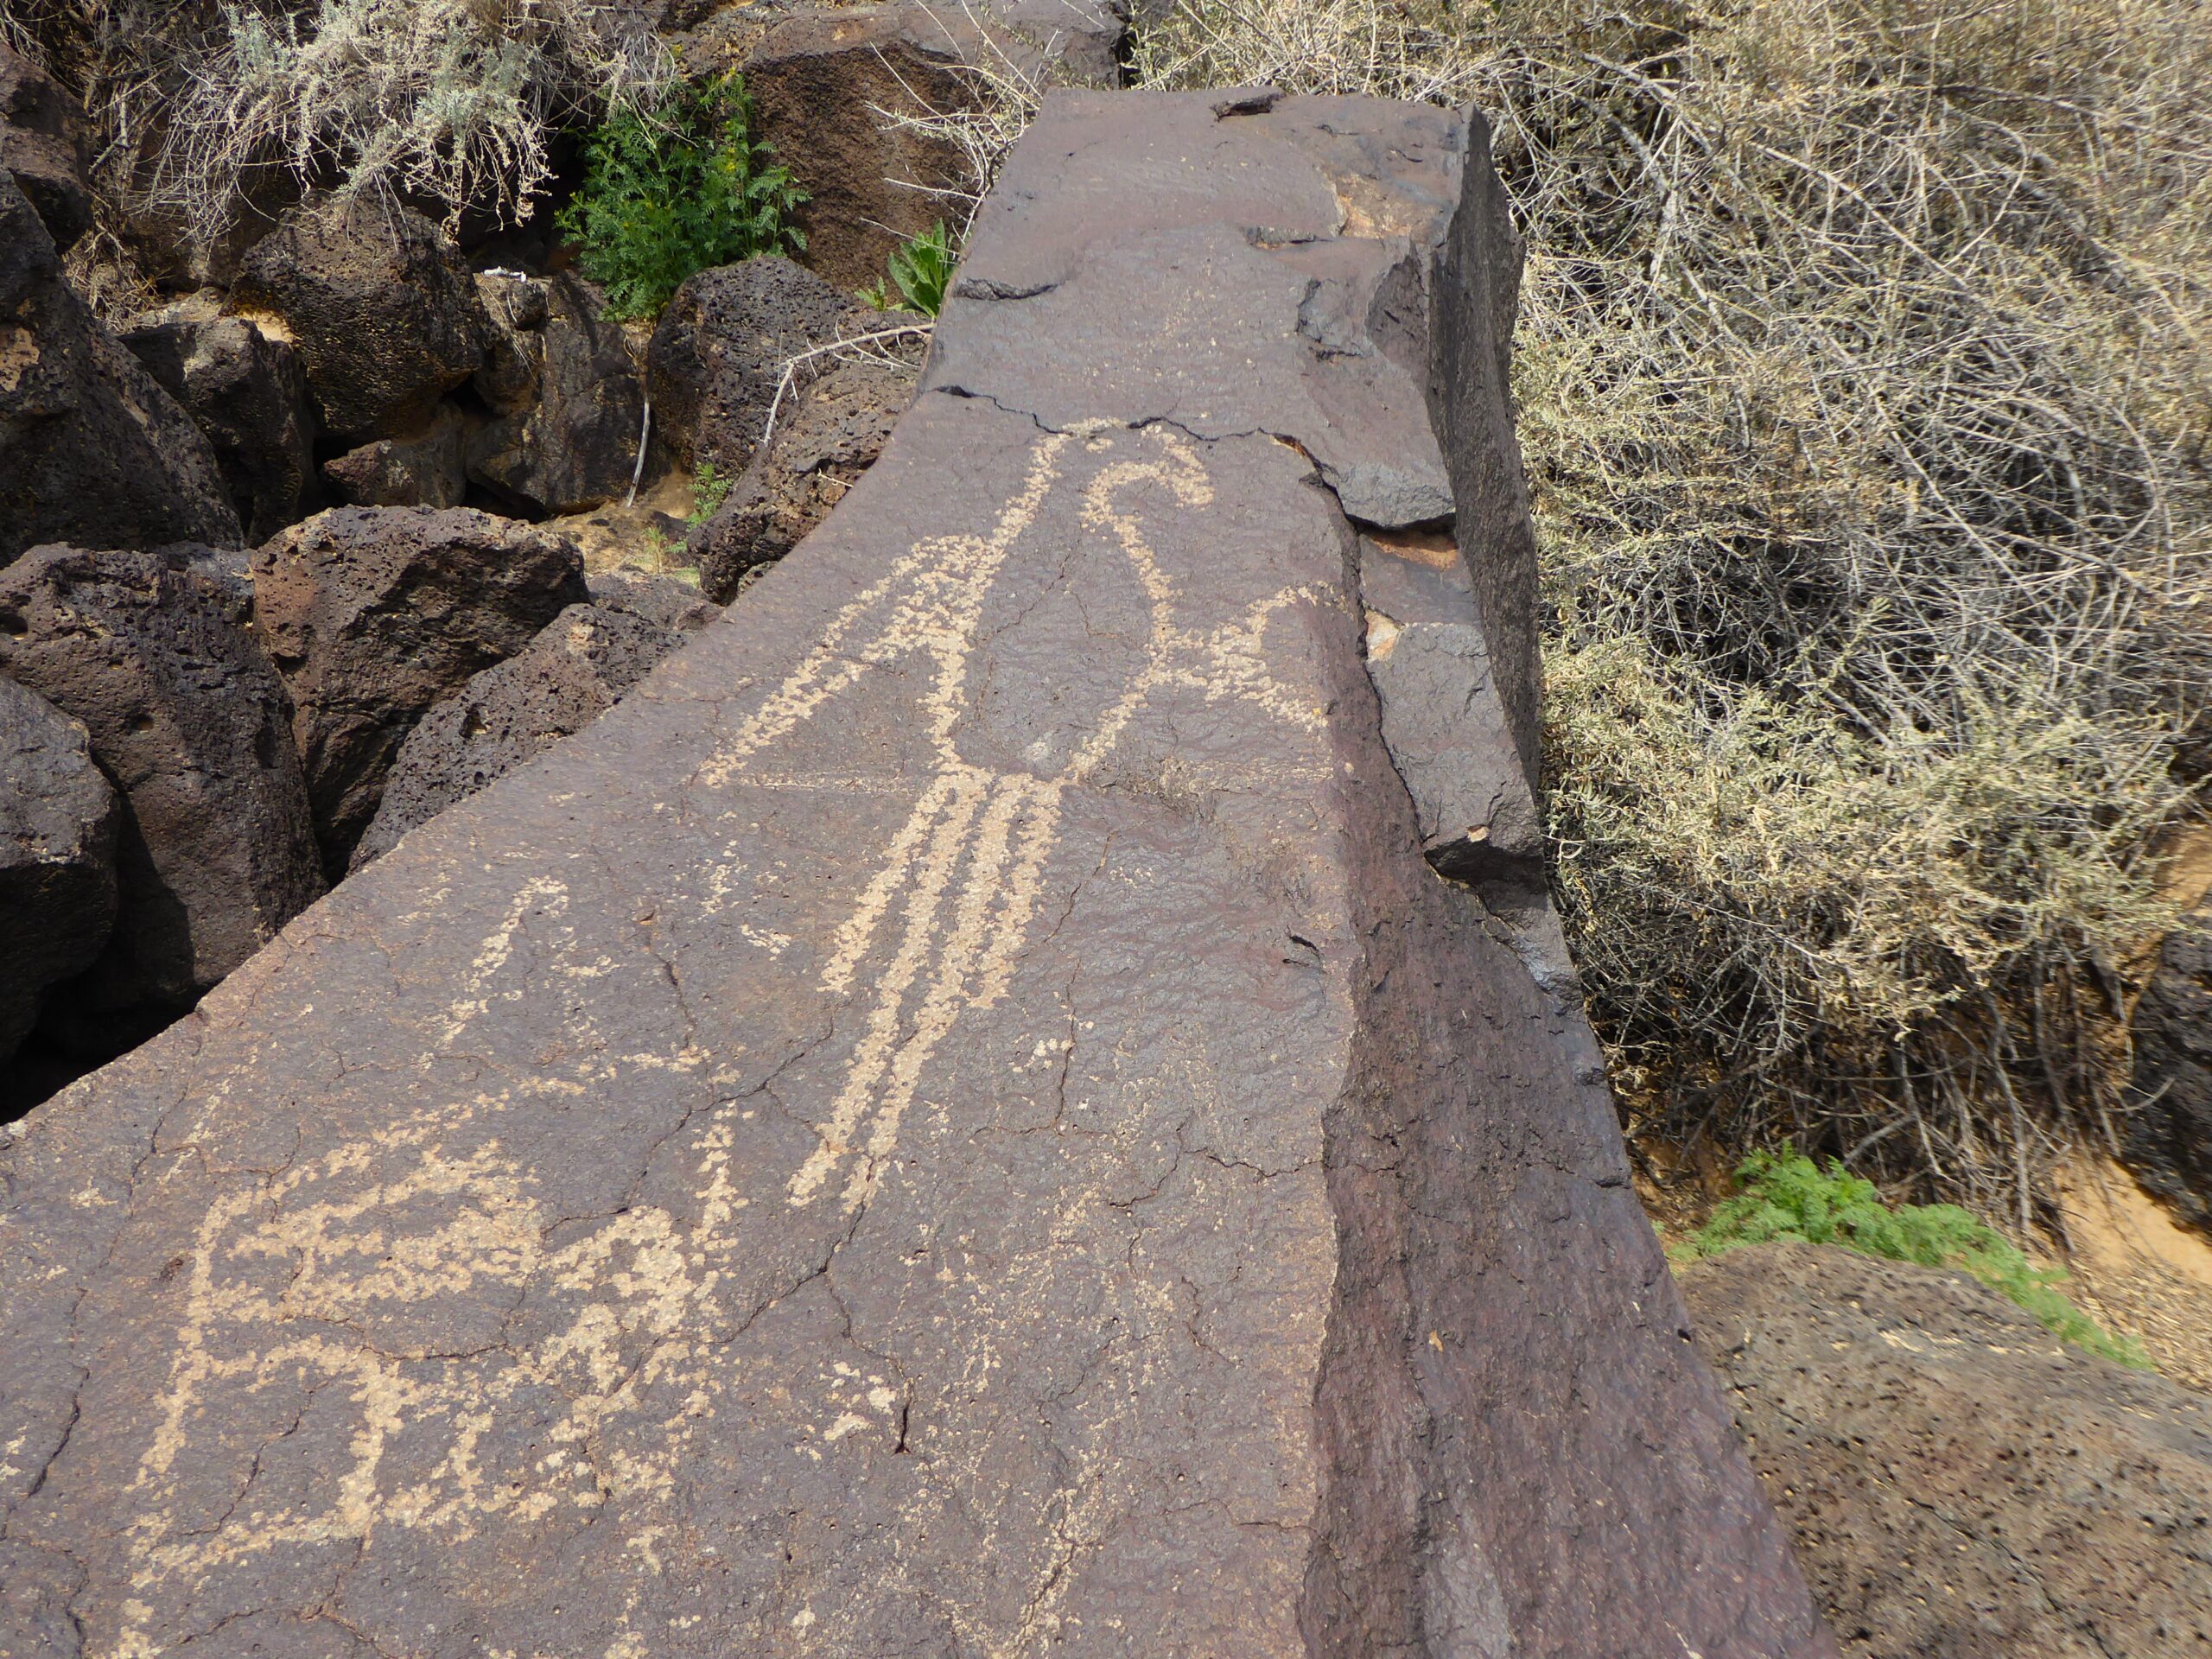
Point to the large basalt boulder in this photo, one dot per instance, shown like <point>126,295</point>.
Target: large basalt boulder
<point>719,352</point>
<point>427,468</point>
<point>573,398</point>
<point>91,449</point>
<point>43,142</point>
<point>826,437</point>
<point>247,393</point>
<point>374,615</point>
<point>58,820</point>
<point>1961,1483</point>
<point>508,715</point>
<point>2168,1141</point>
<point>378,303</point>
<point>956,1119</point>
<point>152,654</point>
<point>872,183</point>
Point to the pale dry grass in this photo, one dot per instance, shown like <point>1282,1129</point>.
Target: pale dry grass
<point>453,104</point>
<point>1866,383</point>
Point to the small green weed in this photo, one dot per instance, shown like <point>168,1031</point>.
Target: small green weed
<point>676,188</point>
<point>1790,1197</point>
<point>920,271</point>
<point>709,489</point>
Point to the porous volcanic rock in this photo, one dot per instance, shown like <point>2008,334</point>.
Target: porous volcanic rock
<point>375,298</point>
<point>426,468</point>
<point>872,185</point>
<point>43,142</point>
<point>374,615</point>
<point>956,1119</point>
<point>57,818</point>
<point>2168,1142</point>
<point>1961,1483</point>
<point>825,439</point>
<point>508,715</point>
<point>662,600</point>
<point>91,449</point>
<point>185,715</point>
<point>719,351</point>
<point>869,185</point>
<point>246,393</point>
<point>574,401</point>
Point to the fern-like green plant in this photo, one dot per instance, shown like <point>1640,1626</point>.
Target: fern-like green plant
<point>676,188</point>
<point>1790,1197</point>
<point>709,489</point>
<point>920,271</point>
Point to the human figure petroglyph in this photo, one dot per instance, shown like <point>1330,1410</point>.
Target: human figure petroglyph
<point>431,1209</point>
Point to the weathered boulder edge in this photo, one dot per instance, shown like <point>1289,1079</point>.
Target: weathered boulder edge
<point>956,1119</point>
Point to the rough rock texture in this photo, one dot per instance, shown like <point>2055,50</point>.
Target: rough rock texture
<point>2168,1135</point>
<point>508,715</point>
<point>42,141</point>
<point>246,393</point>
<point>91,449</point>
<point>719,351</point>
<point>1473,297</point>
<point>1347,379</point>
<point>1442,716</point>
<point>955,1120</point>
<point>1962,1485</point>
<point>378,305</point>
<point>870,186</point>
<point>373,614</point>
<point>573,399</point>
<point>662,600</point>
<point>185,716</point>
<point>426,468</point>
<point>57,818</point>
<point>825,439</point>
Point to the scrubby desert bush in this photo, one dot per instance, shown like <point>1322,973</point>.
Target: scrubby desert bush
<point>449,103</point>
<point>1864,374</point>
<point>675,186</point>
<point>1793,1198</point>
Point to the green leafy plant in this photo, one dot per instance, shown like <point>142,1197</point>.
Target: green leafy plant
<point>675,188</point>
<point>920,271</point>
<point>1790,1197</point>
<point>709,489</point>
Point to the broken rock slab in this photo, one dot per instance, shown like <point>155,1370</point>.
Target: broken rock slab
<point>247,395</point>
<point>152,654</point>
<point>91,449</point>
<point>58,820</point>
<point>956,1119</point>
<point>825,437</point>
<point>373,614</point>
<point>576,670</point>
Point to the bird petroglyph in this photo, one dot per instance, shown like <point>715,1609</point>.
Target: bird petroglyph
<point>302,1288</point>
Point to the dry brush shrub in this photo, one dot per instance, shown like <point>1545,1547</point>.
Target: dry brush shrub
<point>1866,383</point>
<point>453,104</point>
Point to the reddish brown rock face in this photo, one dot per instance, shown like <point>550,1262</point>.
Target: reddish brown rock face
<point>956,1120</point>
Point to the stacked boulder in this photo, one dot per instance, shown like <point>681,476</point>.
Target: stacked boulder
<point>91,449</point>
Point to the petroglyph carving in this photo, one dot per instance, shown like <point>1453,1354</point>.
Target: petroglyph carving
<point>969,863</point>
<point>331,1286</point>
